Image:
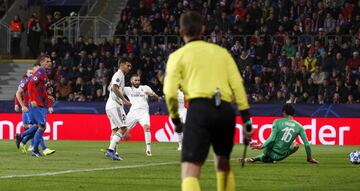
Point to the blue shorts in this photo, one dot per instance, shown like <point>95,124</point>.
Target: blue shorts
<point>38,115</point>
<point>27,118</point>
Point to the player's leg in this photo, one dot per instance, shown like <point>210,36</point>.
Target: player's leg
<point>222,141</point>
<point>23,140</point>
<point>46,151</point>
<point>114,142</point>
<point>266,157</point>
<point>147,135</point>
<point>293,148</point>
<point>118,118</point>
<point>39,114</point>
<point>144,121</point>
<point>27,120</point>
<point>111,116</point>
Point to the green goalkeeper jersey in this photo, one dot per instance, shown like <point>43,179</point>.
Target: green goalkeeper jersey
<point>284,132</point>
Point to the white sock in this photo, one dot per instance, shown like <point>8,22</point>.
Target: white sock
<point>148,140</point>
<point>180,135</point>
<point>115,139</point>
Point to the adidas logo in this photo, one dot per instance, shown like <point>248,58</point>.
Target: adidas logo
<point>167,134</point>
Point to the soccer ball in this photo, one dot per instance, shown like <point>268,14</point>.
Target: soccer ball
<point>355,157</point>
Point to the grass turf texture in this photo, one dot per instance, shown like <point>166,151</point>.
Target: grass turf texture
<point>137,173</point>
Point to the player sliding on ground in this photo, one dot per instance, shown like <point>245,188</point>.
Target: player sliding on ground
<point>139,111</point>
<point>281,143</point>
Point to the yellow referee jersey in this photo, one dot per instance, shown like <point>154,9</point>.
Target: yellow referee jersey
<point>200,68</point>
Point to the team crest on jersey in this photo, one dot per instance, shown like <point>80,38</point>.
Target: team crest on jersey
<point>117,80</point>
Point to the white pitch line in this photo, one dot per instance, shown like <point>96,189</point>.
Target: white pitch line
<point>86,170</point>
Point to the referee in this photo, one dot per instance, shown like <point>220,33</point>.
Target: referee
<point>210,80</point>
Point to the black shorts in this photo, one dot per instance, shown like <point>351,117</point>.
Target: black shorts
<point>208,125</point>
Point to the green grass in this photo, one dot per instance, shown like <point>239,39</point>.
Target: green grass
<point>334,173</point>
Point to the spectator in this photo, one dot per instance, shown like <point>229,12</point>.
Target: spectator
<point>87,73</point>
<point>320,99</point>
<point>33,35</point>
<point>326,63</point>
<point>64,47</point>
<point>78,88</point>
<point>119,47</point>
<point>354,62</point>
<point>99,96</point>
<point>16,29</point>
<point>47,23</point>
<point>339,62</point>
<point>101,73</point>
<point>89,47</point>
<point>297,62</point>
<point>63,88</point>
<point>84,60</point>
<point>90,89</point>
<point>318,76</point>
<point>67,62</point>
<point>329,23</point>
<point>109,61</point>
<point>310,62</point>
<point>292,99</point>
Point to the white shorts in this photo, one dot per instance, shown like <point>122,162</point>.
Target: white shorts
<point>182,115</point>
<point>117,117</point>
<point>136,116</point>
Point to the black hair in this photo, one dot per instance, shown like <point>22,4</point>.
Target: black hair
<point>289,109</point>
<point>123,60</point>
<point>191,23</point>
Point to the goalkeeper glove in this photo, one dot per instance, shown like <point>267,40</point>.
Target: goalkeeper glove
<point>257,146</point>
<point>248,131</point>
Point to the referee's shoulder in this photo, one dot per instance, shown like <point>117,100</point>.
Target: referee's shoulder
<point>215,47</point>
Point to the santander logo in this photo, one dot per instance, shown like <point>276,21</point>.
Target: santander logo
<point>166,133</point>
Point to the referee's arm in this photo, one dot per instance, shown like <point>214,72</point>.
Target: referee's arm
<point>171,85</point>
<point>236,84</point>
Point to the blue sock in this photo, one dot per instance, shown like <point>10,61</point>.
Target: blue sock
<point>27,137</point>
<point>37,139</point>
<point>30,131</point>
<point>42,143</point>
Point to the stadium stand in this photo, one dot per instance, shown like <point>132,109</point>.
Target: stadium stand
<point>287,51</point>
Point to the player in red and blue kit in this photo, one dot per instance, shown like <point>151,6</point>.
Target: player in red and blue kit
<point>22,98</point>
<point>39,100</point>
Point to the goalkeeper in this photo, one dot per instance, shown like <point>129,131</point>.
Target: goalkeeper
<point>281,143</point>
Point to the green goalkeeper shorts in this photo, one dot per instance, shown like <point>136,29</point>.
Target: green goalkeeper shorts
<point>271,155</point>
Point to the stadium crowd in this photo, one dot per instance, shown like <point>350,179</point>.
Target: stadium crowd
<point>299,51</point>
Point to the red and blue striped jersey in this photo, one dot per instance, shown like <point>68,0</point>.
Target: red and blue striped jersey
<point>24,86</point>
<point>37,88</point>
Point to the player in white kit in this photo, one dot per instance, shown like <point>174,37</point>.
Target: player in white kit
<point>182,107</point>
<point>115,107</point>
<point>139,111</point>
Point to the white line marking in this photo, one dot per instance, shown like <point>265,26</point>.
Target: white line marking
<point>87,170</point>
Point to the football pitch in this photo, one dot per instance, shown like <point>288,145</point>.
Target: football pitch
<point>80,165</point>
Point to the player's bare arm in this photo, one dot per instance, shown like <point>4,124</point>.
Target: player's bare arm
<point>19,93</point>
<point>153,95</point>
<point>118,92</point>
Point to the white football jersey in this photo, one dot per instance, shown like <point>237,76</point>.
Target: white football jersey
<point>138,96</point>
<point>113,101</point>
